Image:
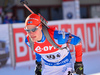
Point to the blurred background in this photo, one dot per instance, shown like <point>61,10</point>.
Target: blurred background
<point>80,17</point>
<point>49,9</point>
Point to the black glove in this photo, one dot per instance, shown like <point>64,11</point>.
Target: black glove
<point>78,66</point>
<point>38,68</point>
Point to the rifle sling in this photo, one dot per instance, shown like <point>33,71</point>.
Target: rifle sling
<point>46,34</point>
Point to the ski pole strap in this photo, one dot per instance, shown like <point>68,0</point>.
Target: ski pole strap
<point>46,33</point>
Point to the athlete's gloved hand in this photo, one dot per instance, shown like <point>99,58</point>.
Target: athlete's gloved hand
<point>38,68</point>
<point>78,66</point>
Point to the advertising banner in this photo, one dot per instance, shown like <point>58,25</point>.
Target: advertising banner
<point>23,53</point>
<point>88,30</point>
<point>71,9</point>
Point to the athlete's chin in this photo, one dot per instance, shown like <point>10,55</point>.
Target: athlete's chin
<point>34,40</point>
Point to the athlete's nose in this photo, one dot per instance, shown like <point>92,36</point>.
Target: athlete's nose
<point>32,33</point>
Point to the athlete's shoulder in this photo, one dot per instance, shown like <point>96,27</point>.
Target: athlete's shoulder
<point>60,36</point>
<point>27,40</point>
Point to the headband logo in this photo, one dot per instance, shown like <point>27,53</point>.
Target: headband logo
<point>33,19</point>
<point>29,22</point>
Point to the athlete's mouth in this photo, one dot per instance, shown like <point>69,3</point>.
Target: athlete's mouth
<point>33,37</point>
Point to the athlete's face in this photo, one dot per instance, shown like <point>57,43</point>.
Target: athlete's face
<point>34,32</point>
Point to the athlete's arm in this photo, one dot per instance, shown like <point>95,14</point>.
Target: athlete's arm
<point>75,40</point>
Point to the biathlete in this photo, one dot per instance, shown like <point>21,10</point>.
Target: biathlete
<point>56,61</point>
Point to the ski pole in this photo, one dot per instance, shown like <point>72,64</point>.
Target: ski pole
<point>43,20</point>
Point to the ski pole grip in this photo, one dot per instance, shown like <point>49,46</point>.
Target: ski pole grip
<point>23,2</point>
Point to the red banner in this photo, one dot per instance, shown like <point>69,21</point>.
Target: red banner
<point>91,36</point>
<point>79,31</point>
<point>87,30</point>
<point>99,35</point>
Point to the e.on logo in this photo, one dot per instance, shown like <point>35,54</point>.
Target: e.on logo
<point>45,48</point>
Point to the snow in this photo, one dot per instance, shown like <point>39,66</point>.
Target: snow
<point>91,63</point>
